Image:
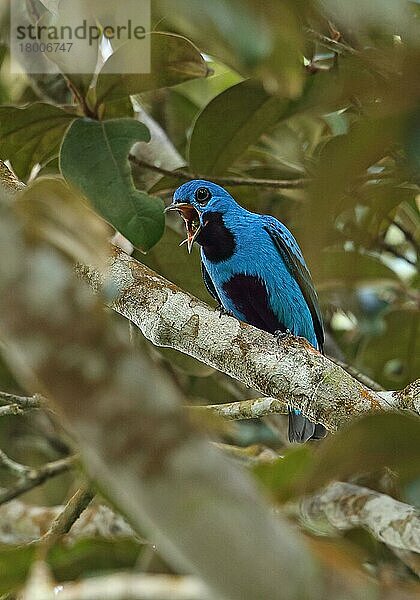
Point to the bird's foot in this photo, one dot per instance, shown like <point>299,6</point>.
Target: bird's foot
<point>282,335</point>
<point>222,311</point>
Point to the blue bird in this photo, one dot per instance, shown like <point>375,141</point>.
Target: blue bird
<point>254,268</point>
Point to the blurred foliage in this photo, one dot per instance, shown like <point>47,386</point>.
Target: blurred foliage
<point>357,448</point>
<point>327,91</point>
<point>83,559</point>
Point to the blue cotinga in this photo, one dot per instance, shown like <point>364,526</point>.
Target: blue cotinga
<point>254,268</point>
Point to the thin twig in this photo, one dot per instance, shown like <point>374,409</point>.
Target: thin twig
<point>11,410</point>
<point>35,477</point>
<point>15,468</point>
<point>66,519</point>
<point>250,455</point>
<point>185,174</point>
<point>81,100</point>
<point>330,43</point>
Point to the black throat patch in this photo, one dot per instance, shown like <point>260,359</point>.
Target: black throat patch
<point>217,240</point>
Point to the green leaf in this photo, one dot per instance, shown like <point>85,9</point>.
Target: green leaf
<point>230,123</point>
<point>92,556</point>
<point>31,134</point>
<point>15,563</point>
<point>51,5</point>
<point>286,476</point>
<point>174,60</point>
<point>201,91</point>
<point>367,141</point>
<point>368,445</point>
<point>262,40</point>
<point>351,267</point>
<point>94,158</point>
<point>79,65</point>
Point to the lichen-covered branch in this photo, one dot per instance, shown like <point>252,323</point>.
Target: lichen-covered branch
<point>406,399</point>
<point>22,523</point>
<point>290,371</point>
<point>346,506</point>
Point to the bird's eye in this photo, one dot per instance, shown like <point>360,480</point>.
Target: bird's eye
<point>202,195</point>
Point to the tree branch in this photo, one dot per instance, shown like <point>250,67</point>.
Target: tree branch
<point>31,478</point>
<point>231,181</point>
<point>17,405</point>
<point>67,517</point>
<point>22,523</point>
<point>346,506</point>
<point>247,409</point>
<point>291,371</point>
<point>15,468</point>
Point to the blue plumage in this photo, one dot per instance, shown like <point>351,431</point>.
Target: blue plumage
<point>254,267</point>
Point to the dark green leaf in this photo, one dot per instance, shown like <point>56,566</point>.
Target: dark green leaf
<point>89,556</point>
<point>393,358</point>
<point>351,267</point>
<point>286,476</point>
<point>174,59</point>
<point>94,158</point>
<point>31,134</point>
<point>15,563</point>
<point>263,40</point>
<point>230,123</point>
<point>366,142</point>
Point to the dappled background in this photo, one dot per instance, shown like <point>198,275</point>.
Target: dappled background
<point>311,109</point>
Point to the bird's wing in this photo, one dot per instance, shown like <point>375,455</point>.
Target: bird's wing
<point>294,261</point>
<point>209,284</point>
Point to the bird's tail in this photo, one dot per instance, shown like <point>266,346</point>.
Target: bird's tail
<point>301,429</point>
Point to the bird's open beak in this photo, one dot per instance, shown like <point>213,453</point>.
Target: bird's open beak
<point>191,220</point>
